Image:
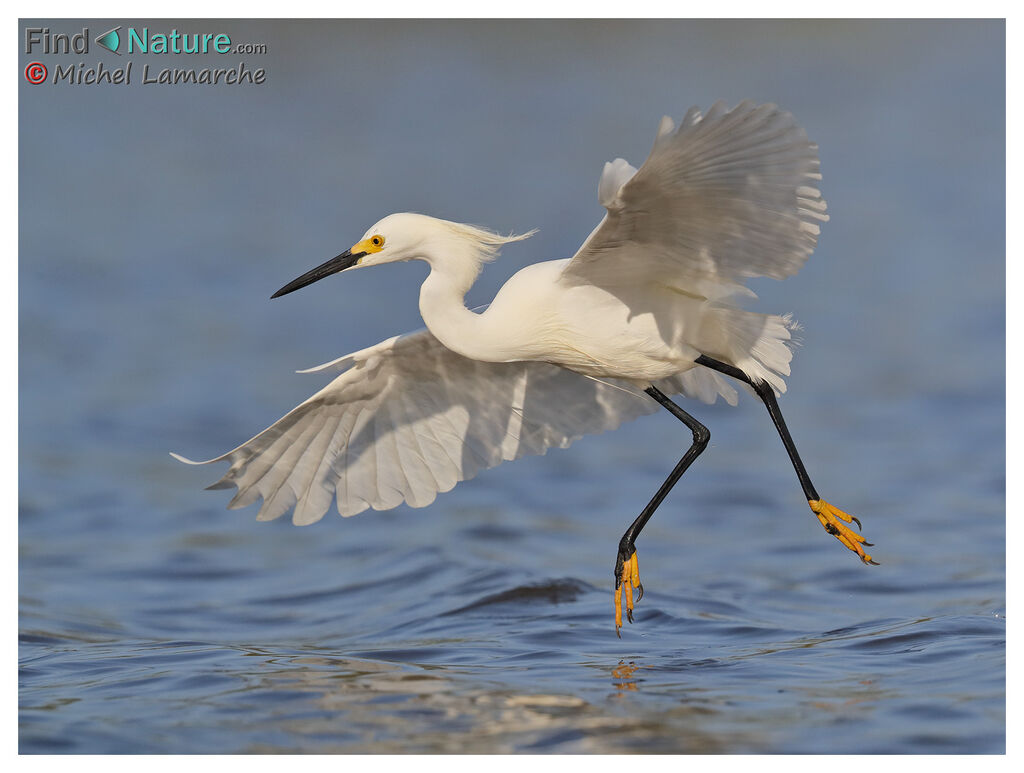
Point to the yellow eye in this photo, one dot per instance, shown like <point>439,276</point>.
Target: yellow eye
<point>377,241</point>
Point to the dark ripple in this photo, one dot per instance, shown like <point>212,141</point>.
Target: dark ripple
<point>412,655</point>
<point>934,712</point>
<point>714,606</point>
<point>684,664</point>
<point>30,742</point>
<point>173,573</point>
<point>492,533</point>
<point>377,585</point>
<point>914,636</point>
<point>894,643</point>
<point>41,638</point>
<point>564,591</point>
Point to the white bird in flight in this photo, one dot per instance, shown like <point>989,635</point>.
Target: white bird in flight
<point>646,308</point>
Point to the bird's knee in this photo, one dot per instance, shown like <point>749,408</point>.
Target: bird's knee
<point>701,436</point>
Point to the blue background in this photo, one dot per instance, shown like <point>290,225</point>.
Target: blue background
<point>155,222</point>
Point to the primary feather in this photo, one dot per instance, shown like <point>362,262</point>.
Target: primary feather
<point>409,418</point>
<point>728,195</point>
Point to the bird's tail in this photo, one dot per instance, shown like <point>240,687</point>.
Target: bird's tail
<point>761,345</point>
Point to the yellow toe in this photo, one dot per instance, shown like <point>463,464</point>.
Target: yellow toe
<point>834,521</point>
<point>628,580</point>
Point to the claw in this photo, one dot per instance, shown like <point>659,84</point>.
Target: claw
<point>832,518</point>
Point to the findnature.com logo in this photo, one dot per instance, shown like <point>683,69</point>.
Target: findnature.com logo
<point>139,41</point>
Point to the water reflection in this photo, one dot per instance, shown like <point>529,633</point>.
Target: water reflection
<point>366,705</point>
<point>623,674</point>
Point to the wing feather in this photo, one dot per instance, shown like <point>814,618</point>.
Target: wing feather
<point>728,195</point>
<point>725,196</point>
<point>408,419</point>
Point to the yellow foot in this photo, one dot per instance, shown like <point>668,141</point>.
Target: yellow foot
<point>627,577</point>
<point>834,520</point>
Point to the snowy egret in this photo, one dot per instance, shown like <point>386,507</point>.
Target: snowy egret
<point>647,306</point>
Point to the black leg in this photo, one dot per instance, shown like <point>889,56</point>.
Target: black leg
<point>626,557</point>
<point>829,516</point>
<point>767,395</point>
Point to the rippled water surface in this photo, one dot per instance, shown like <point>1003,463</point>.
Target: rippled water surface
<point>153,620</point>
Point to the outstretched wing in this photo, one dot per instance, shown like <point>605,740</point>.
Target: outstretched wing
<point>728,195</point>
<point>409,418</point>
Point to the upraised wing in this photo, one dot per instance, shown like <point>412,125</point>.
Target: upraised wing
<point>728,195</point>
<point>409,418</point>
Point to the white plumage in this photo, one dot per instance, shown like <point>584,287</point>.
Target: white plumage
<point>567,346</point>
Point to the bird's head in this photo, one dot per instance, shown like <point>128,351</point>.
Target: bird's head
<point>408,236</point>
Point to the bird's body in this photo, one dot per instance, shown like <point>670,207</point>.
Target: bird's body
<point>641,335</point>
<point>567,347</point>
<point>536,315</point>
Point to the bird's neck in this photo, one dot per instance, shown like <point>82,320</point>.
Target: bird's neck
<point>443,308</point>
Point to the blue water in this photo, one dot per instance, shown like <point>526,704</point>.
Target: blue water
<point>156,221</point>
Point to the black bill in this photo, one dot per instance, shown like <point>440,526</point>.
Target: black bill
<point>333,266</point>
